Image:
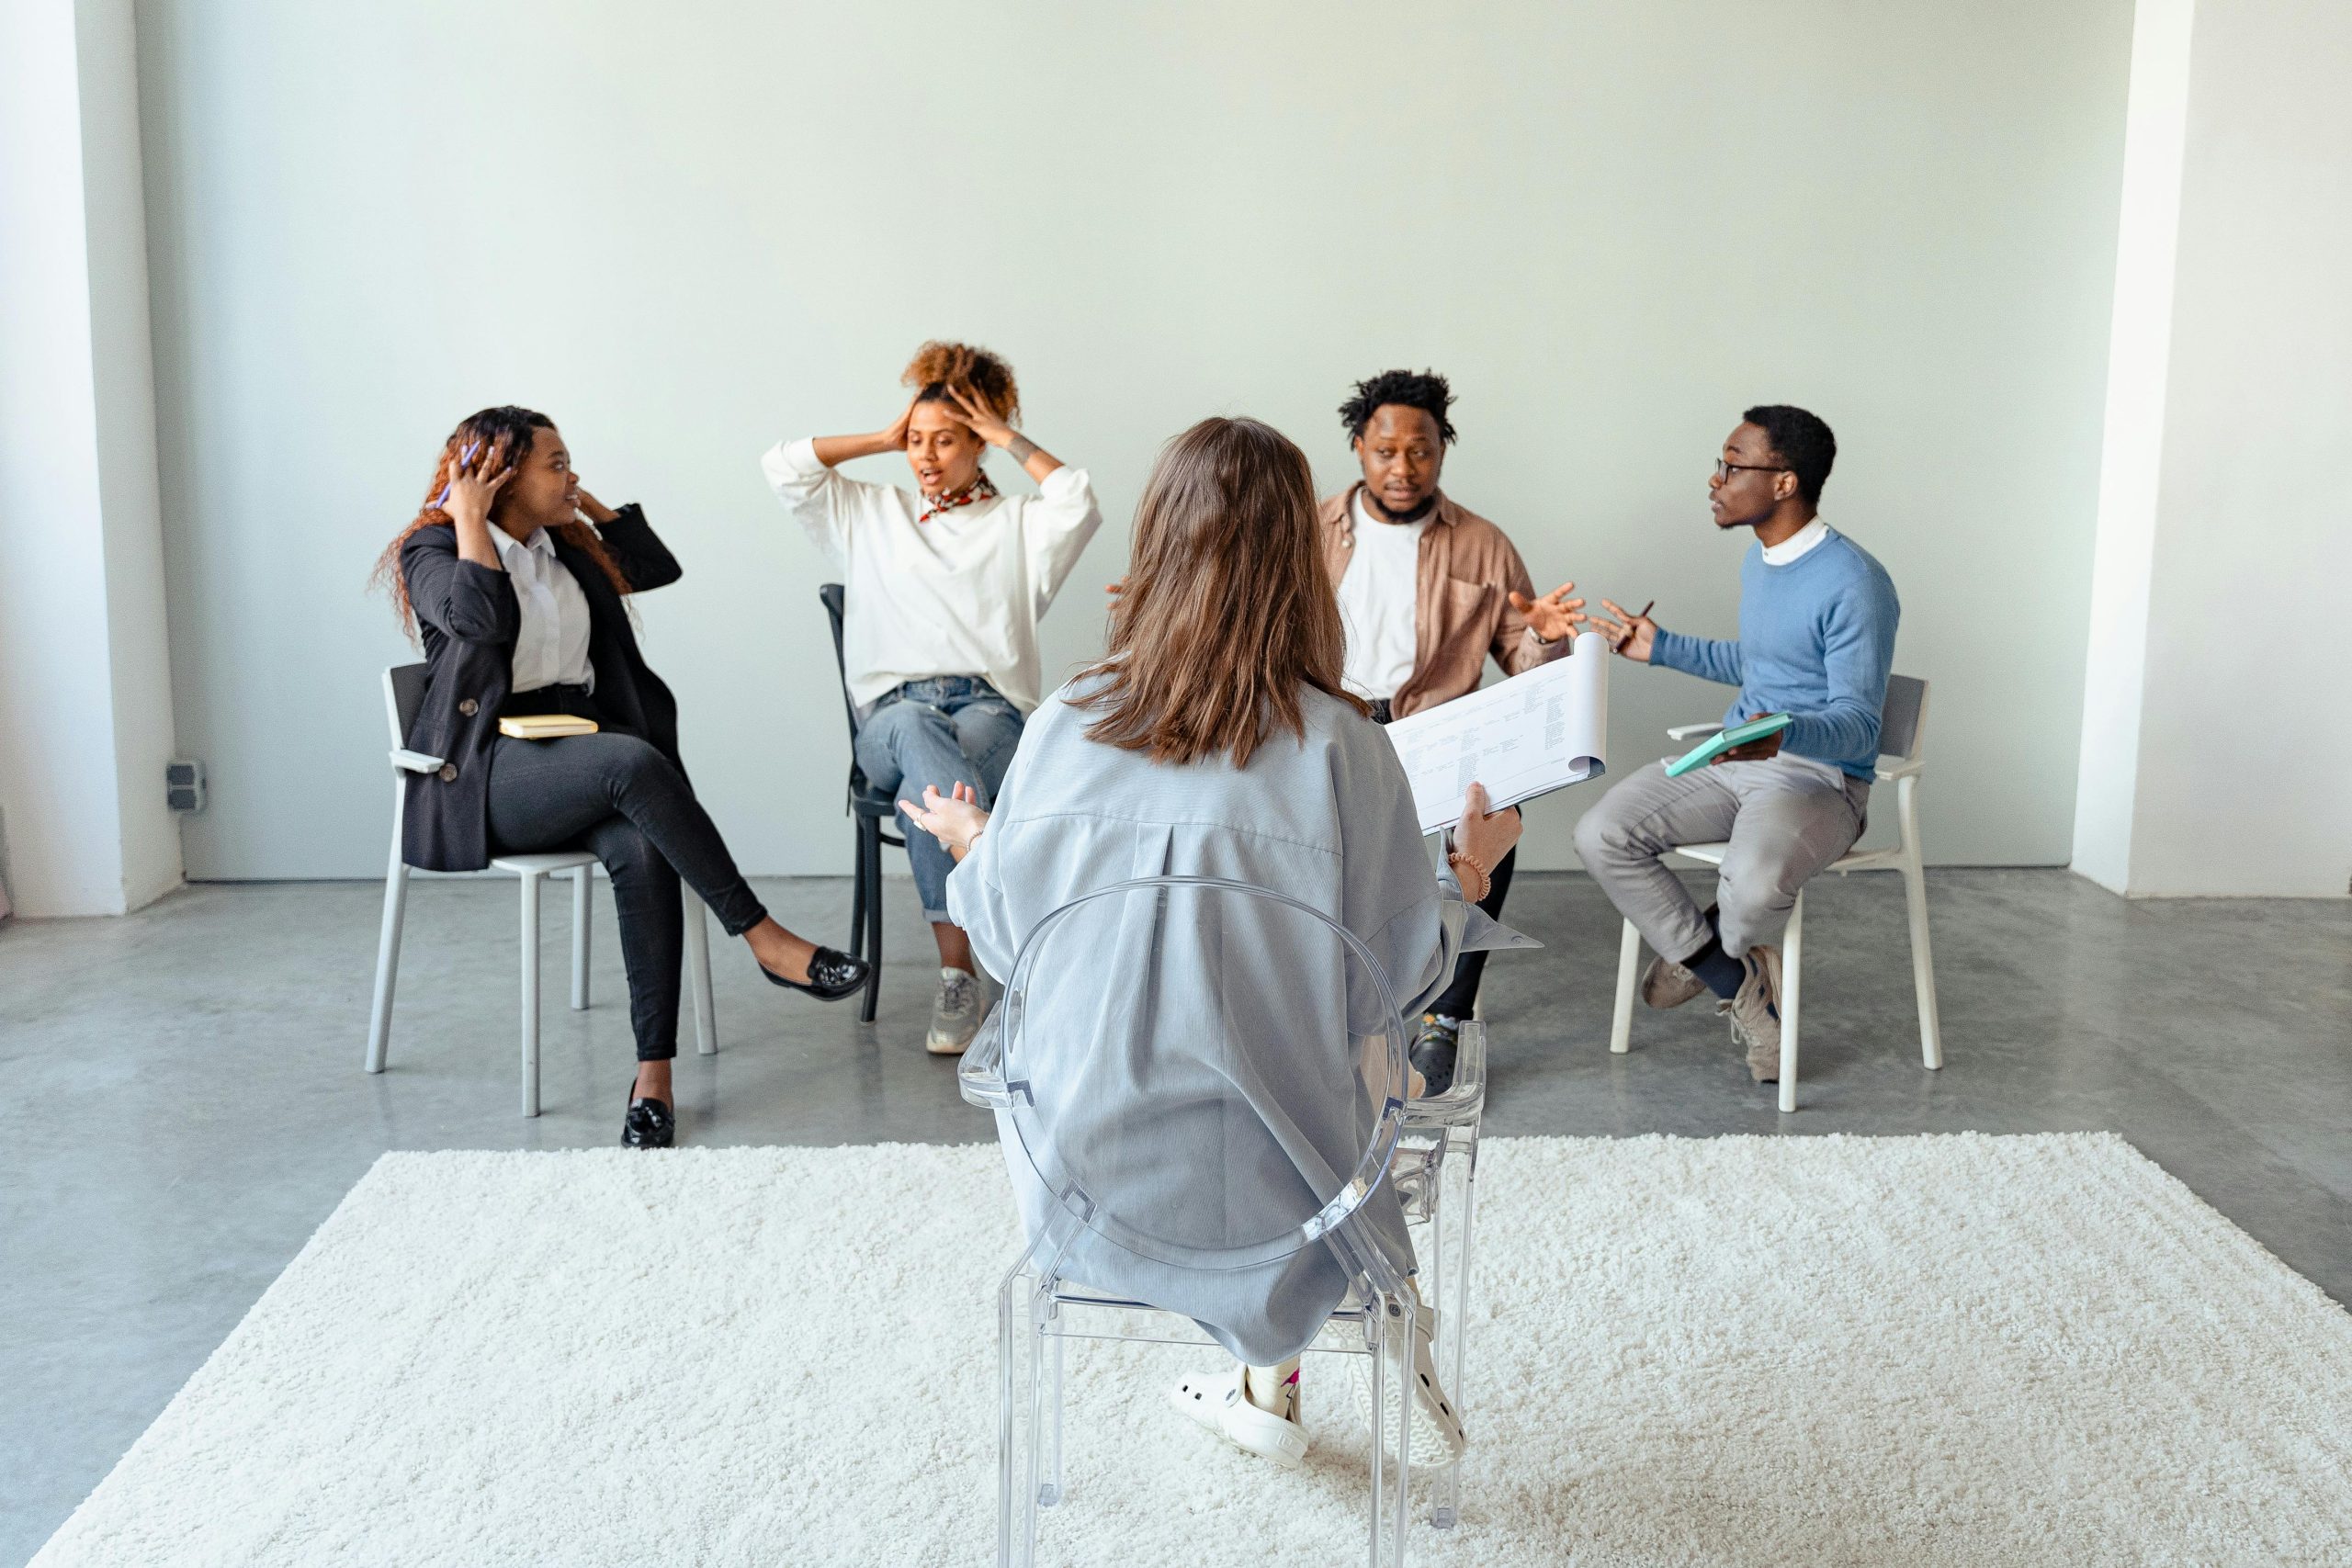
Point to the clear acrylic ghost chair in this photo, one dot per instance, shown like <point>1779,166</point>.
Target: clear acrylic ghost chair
<point>1436,1173</point>
<point>1132,1064</point>
<point>404,697</point>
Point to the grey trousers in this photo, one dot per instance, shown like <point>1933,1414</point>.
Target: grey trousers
<point>1785,818</point>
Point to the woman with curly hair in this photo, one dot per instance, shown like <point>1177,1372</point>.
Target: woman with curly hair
<point>944,588</point>
<point>514,578</point>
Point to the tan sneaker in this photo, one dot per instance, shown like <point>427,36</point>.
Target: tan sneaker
<point>956,1013</point>
<point>1755,1016</point>
<point>1665,984</point>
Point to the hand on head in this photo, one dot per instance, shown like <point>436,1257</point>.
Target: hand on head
<point>892,437</point>
<point>471,487</point>
<point>1553,615</point>
<point>974,412</point>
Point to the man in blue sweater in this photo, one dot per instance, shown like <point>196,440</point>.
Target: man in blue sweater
<point>1816,639</point>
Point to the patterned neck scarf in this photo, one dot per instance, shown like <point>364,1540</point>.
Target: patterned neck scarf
<point>980,489</point>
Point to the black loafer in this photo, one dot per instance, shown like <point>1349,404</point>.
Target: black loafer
<point>832,976</point>
<point>1433,1053</point>
<point>649,1125</point>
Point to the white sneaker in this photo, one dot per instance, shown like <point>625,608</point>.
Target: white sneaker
<point>956,1013</point>
<point>1219,1404</point>
<point>1438,1437</point>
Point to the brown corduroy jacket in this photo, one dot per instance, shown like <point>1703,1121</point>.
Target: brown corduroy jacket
<point>1461,604</point>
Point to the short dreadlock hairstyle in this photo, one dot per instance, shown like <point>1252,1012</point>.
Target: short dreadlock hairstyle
<point>1422,389</point>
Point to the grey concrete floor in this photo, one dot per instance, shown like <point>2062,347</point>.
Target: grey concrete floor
<point>186,1102</point>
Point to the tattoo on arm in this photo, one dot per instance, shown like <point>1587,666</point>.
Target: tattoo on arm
<point>1022,447</point>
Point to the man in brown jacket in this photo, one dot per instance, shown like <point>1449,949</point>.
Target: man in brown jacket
<point>1428,592</point>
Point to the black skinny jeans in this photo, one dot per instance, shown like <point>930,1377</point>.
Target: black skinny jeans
<point>1462,993</point>
<point>616,795</point>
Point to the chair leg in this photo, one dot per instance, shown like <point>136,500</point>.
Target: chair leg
<point>582,883</point>
<point>1019,1393</point>
<point>1391,1320</point>
<point>1454,1307</point>
<point>1629,960</point>
<point>388,960</point>
<point>1792,1000</point>
<point>1914,896</point>
<point>858,891</point>
<point>698,973</point>
<point>1049,1427</point>
<point>530,882</point>
<point>873,874</point>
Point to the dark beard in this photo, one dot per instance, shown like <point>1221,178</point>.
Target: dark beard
<point>1423,510</point>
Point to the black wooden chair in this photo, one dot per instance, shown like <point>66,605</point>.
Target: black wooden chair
<point>872,809</point>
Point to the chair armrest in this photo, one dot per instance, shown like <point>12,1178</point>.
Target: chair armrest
<point>416,762</point>
<point>980,1072</point>
<point>1909,768</point>
<point>1685,731</point>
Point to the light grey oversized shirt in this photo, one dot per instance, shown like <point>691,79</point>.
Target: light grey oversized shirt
<point>1326,818</point>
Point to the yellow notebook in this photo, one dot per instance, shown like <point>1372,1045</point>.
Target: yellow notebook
<point>544,726</point>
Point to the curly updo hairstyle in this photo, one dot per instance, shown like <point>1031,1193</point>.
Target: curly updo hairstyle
<point>938,365</point>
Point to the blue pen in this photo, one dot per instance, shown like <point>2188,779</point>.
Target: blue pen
<point>463,458</point>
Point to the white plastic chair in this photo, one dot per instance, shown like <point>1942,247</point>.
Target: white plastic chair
<point>1901,723</point>
<point>1176,1063</point>
<point>403,694</point>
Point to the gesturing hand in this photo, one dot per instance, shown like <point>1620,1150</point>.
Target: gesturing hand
<point>1554,616</point>
<point>1631,635</point>
<point>469,492</point>
<point>955,820</point>
<point>1755,750</point>
<point>974,412</point>
<point>596,510</point>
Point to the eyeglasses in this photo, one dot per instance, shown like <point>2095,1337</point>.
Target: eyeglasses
<point>1723,470</point>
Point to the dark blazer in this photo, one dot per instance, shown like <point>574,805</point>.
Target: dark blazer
<point>469,619</point>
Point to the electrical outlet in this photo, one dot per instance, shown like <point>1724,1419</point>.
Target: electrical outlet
<point>184,785</point>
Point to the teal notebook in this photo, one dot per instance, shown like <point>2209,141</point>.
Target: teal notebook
<point>1723,741</point>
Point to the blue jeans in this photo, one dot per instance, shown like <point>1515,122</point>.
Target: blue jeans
<point>947,730</point>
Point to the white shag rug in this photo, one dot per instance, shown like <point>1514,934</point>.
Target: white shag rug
<point>1957,1350</point>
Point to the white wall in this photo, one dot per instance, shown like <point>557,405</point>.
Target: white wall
<point>2234,783</point>
<point>86,717</point>
<point>686,230</point>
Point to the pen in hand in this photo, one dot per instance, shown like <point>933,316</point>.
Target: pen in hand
<point>1619,646</point>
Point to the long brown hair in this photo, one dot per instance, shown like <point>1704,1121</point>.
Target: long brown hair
<point>504,437</point>
<point>1228,609</point>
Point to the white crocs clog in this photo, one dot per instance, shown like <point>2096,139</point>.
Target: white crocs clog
<point>1218,1404</point>
<point>1438,1437</point>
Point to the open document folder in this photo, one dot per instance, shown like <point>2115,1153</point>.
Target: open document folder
<point>1522,737</point>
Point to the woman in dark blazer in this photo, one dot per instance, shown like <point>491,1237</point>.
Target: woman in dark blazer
<point>518,601</point>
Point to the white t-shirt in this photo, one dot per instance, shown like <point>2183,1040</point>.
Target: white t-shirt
<point>551,643</point>
<point>961,594</point>
<point>1378,594</point>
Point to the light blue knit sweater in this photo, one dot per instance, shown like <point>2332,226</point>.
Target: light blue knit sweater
<point>1816,639</point>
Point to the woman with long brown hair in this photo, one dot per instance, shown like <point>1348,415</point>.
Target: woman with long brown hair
<point>1217,738</point>
<point>513,578</point>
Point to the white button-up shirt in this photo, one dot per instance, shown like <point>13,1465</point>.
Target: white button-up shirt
<point>552,647</point>
<point>1796,544</point>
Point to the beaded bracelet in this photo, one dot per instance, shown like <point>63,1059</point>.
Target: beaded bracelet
<point>1485,877</point>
